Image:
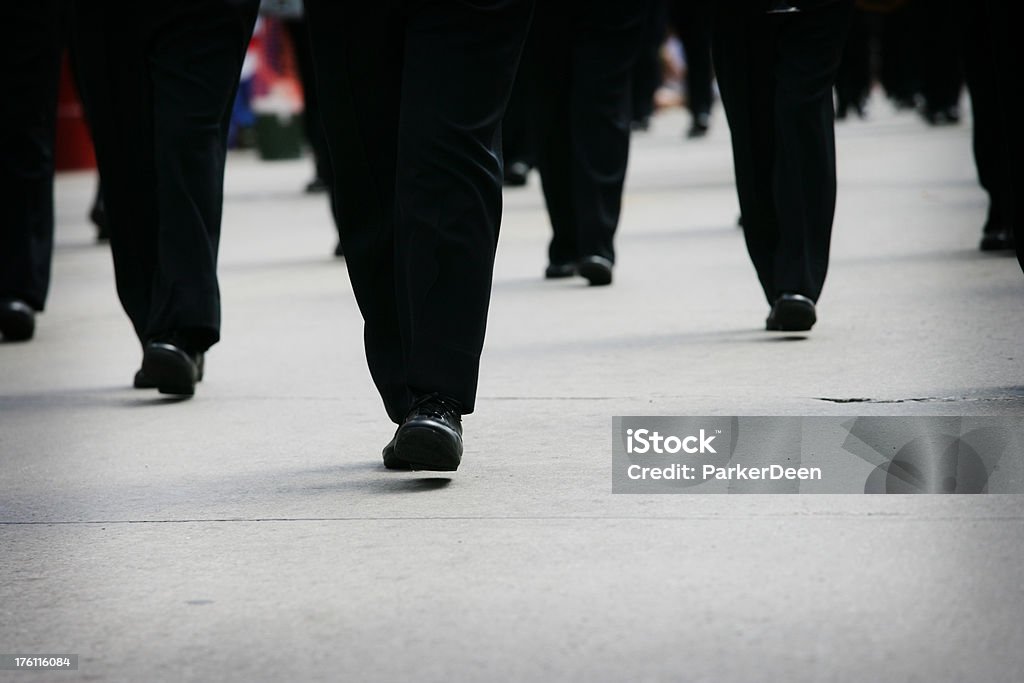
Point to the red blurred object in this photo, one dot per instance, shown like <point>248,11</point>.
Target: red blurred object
<point>74,150</point>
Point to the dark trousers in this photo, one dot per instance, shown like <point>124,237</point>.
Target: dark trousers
<point>900,52</point>
<point>776,73</point>
<point>298,30</point>
<point>518,137</point>
<point>584,56</point>
<point>412,94</point>
<point>158,81</point>
<point>993,163</point>
<point>1008,58</point>
<point>853,80</point>
<point>30,54</point>
<point>942,76</point>
<point>647,70</point>
<point>692,22</point>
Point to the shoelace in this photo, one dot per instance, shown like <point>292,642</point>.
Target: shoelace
<point>438,406</point>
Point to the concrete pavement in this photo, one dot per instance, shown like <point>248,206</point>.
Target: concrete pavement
<point>251,533</point>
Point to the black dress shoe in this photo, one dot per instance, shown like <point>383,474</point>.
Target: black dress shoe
<point>316,186</point>
<point>17,320</point>
<point>98,215</point>
<point>700,125</point>
<point>429,439</point>
<point>171,369</point>
<point>596,269</point>
<point>792,313</point>
<point>996,240</point>
<point>555,271</point>
<point>516,174</point>
<point>142,380</point>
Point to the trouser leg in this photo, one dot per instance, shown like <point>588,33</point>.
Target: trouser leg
<point>159,98</point>
<point>810,46</point>
<point>29,73</point>
<point>448,188</point>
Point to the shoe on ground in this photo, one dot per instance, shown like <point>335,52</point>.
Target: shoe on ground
<point>170,369</point>
<point>98,215</point>
<point>516,173</point>
<point>430,437</point>
<point>142,381</point>
<point>791,313</point>
<point>700,125</point>
<point>556,271</point>
<point>316,186</point>
<point>596,269</point>
<point>17,320</point>
<point>996,240</point>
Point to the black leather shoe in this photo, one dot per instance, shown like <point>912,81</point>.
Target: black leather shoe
<point>700,125</point>
<point>792,313</point>
<point>316,186</point>
<point>430,438</point>
<point>17,320</point>
<point>516,174</point>
<point>171,369</point>
<point>142,380</point>
<point>555,271</point>
<point>596,269</point>
<point>996,240</point>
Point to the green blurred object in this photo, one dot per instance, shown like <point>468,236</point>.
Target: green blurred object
<point>278,137</point>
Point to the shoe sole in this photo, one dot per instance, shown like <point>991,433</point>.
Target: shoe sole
<point>169,372</point>
<point>794,316</point>
<point>424,448</point>
<point>596,274</point>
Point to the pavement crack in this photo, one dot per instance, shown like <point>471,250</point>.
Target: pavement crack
<point>916,399</point>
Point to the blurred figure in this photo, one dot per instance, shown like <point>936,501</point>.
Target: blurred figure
<point>776,70</point>
<point>298,31</point>
<point>323,180</point>
<point>30,57</point>
<point>158,81</point>
<point>412,95</point>
<point>994,164</point>
<point>853,80</point>
<point>1007,54</point>
<point>647,68</point>
<point>942,76</point>
<point>518,136</point>
<point>692,22</point>
<point>584,58</point>
<point>899,49</point>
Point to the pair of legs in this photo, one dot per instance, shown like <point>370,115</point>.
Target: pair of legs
<point>994,164</point>
<point>159,96</point>
<point>29,74</point>
<point>776,73</point>
<point>691,20</point>
<point>584,54</point>
<point>412,93</point>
